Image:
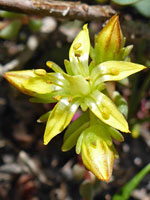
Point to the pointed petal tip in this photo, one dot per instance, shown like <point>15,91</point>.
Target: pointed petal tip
<point>103,178</point>
<point>45,142</point>
<point>63,149</point>
<point>85,26</point>
<point>115,17</point>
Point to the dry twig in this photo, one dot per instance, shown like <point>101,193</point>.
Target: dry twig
<point>58,9</point>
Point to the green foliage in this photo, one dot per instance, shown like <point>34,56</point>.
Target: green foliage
<point>132,184</point>
<point>11,30</point>
<point>15,22</point>
<point>125,2</point>
<point>35,24</point>
<point>142,6</point>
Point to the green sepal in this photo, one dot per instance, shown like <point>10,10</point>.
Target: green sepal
<point>126,51</point>
<point>44,117</point>
<point>76,124</point>
<point>115,134</point>
<point>103,131</point>
<point>46,99</point>
<point>74,130</point>
<point>71,141</point>
<point>121,103</point>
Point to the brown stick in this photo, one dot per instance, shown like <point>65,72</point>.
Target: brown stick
<point>58,9</point>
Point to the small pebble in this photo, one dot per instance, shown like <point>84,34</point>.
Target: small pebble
<point>137,161</point>
<point>126,148</point>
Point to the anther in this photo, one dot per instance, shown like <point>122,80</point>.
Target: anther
<point>70,99</point>
<point>87,78</point>
<point>114,71</point>
<point>76,46</point>
<point>49,64</point>
<point>57,98</point>
<point>105,112</point>
<point>40,72</point>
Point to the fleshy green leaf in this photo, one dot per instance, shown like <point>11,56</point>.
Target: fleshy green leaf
<point>8,14</point>
<point>132,184</point>
<point>79,53</point>
<point>11,30</point>
<point>114,71</point>
<point>143,7</point>
<point>59,118</point>
<point>106,111</point>
<point>125,2</point>
<point>35,24</point>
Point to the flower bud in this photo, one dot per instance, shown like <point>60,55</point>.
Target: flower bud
<point>97,156</point>
<point>109,43</point>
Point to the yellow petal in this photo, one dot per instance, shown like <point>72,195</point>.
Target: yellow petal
<point>79,53</point>
<point>114,71</point>
<point>59,118</point>
<point>17,78</point>
<point>106,111</point>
